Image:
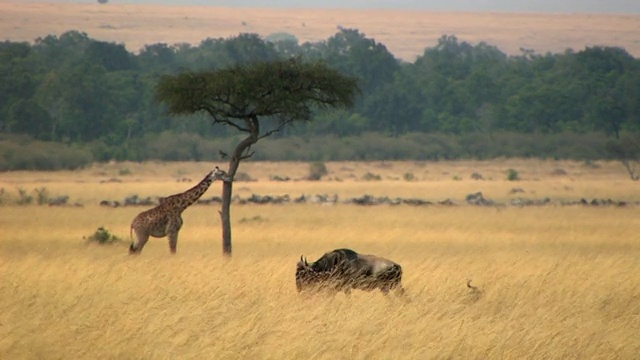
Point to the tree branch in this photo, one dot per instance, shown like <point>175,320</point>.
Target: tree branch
<point>232,124</point>
<point>247,156</point>
<point>282,124</point>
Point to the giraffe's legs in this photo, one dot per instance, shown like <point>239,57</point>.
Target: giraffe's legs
<point>173,228</point>
<point>173,242</point>
<point>142,237</point>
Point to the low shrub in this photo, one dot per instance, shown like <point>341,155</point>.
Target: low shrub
<point>19,153</point>
<point>102,236</point>
<point>317,170</point>
<point>42,196</point>
<point>23,197</point>
<point>371,177</point>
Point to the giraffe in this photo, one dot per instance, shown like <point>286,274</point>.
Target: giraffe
<point>166,218</point>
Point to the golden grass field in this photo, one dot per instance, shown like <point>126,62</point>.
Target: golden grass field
<point>405,33</point>
<point>556,282</point>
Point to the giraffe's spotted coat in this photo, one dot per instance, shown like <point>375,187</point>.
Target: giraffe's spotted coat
<point>166,218</point>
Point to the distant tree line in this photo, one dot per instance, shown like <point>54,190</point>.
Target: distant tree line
<point>97,100</point>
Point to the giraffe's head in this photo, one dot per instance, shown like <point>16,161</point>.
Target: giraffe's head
<point>219,174</point>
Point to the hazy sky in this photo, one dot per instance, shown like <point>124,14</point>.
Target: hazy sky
<point>566,6</point>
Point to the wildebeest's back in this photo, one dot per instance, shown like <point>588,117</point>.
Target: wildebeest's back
<point>370,272</point>
<point>374,264</point>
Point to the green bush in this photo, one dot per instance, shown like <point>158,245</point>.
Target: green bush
<point>18,152</point>
<point>317,170</point>
<point>172,146</point>
<point>371,177</point>
<point>23,197</point>
<point>242,176</point>
<point>23,153</point>
<point>512,175</point>
<point>124,171</point>
<point>42,196</point>
<point>102,236</point>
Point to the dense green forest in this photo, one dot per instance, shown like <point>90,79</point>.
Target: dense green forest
<point>70,100</point>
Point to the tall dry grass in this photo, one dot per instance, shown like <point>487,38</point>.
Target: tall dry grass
<point>553,282</point>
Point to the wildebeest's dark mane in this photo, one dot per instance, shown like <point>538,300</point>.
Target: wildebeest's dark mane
<point>331,260</point>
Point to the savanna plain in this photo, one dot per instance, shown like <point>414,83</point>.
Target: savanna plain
<point>553,281</point>
<point>405,33</point>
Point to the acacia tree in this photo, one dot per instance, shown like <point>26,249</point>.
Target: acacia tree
<point>256,99</point>
<point>626,150</point>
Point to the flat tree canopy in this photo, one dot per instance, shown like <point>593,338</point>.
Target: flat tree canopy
<point>287,90</point>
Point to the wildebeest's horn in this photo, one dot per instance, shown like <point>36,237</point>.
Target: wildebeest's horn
<point>305,262</point>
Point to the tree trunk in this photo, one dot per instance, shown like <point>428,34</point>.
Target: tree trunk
<point>225,217</point>
<point>631,169</point>
<point>227,187</point>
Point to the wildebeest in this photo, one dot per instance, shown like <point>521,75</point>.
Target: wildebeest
<point>345,269</point>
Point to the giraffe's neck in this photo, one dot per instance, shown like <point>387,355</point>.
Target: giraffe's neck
<point>183,200</point>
